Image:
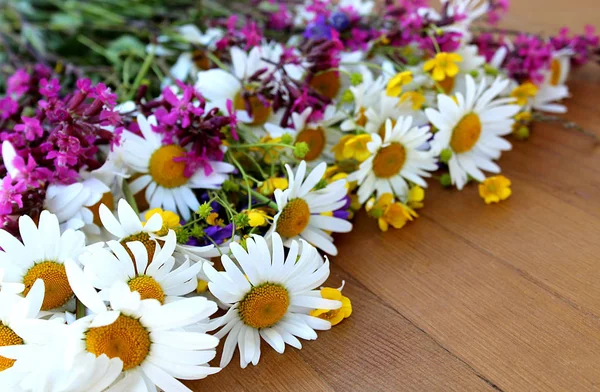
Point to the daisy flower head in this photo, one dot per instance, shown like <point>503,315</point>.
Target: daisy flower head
<point>220,86</point>
<point>303,210</point>
<point>471,129</point>
<point>365,95</point>
<point>395,159</point>
<point>320,137</point>
<point>390,108</point>
<point>164,171</point>
<point>41,255</point>
<point>153,277</point>
<point>269,296</point>
<point>153,342</point>
<point>14,308</point>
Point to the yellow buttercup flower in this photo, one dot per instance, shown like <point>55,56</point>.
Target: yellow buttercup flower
<point>416,195</point>
<point>494,189</point>
<point>268,186</point>
<point>214,220</point>
<point>443,65</point>
<point>394,86</point>
<point>417,99</point>
<point>387,212</point>
<point>170,220</point>
<point>356,147</point>
<point>523,92</point>
<point>257,217</point>
<point>520,128</point>
<point>338,149</point>
<point>337,315</point>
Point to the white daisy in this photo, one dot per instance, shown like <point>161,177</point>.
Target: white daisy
<point>41,255</point>
<point>269,296</point>
<point>302,210</point>
<point>366,95</point>
<point>472,128</point>
<point>153,277</point>
<point>320,136</point>
<point>362,7</point>
<point>150,339</point>
<point>547,97</point>
<point>396,159</point>
<point>390,108</point>
<point>559,67</point>
<point>219,86</point>
<point>14,308</point>
<point>163,178</point>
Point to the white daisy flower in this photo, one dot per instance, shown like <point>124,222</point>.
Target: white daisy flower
<point>472,128</point>
<point>219,86</point>
<point>362,7</point>
<point>320,136</point>
<point>394,160</point>
<point>302,210</point>
<point>153,277</point>
<point>41,255</point>
<point>471,63</point>
<point>366,95</point>
<point>14,308</point>
<point>390,108</point>
<point>150,339</point>
<point>559,67</point>
<point>269,296</point>
<point>163,178</point>
<point>547,97</point>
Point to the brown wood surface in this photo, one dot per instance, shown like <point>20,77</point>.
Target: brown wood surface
<point>469,296</point>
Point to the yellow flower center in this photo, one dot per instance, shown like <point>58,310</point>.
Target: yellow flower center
<point>57,288</point>
<point>148,288</point>
<point>264,305</point>
<point>145,239</point>
<point>200,59</point>
<point>293,218</point>
<point>166,172</point>
<point>362,117</point>
<point>126,339</point>
<point>260,112</point>
<point>108,200</point>
<point>326,83</point>
<point>8,337</point>
<point>447,84</point>
<point>389,160</point>
<point>315,138</point>
<point>555,71</point>
<point>466,133</point>
<point>381,130</point>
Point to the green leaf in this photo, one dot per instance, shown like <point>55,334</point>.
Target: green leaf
<point>34,37</point>
<point>127,45</point>
<point>66,22</point>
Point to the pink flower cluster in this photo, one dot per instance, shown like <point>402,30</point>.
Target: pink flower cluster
<point>184,120</point>
<point>584,46</point>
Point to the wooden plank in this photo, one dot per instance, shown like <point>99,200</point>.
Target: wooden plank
<point>376,349</point>
<point>513,332</point>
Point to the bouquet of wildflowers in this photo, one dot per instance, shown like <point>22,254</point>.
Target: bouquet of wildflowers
<point>197,198</point>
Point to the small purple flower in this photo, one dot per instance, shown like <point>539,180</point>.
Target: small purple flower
<point>19,83</point>
<point>103,93</point>
<point>219,234</point>
<point>31,128</point>
<point>50,88</point>
<point>339,20</point>
<point>10,194</point>
<point>319,29</point>
<point>8,107</point>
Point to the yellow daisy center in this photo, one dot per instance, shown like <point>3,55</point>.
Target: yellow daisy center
<point>447,84</point>
<point>260,112</point>
<point>8,337</point>
<point>315,138</point>
<point>362,117</point>
<point>389,160</point>
<point>148,288</point>
<point>57,288</point>
<point>264,305</point>
<point>166,172</point>
<point>107,199</point>
<point>326,83</point>
<point>200,59</point>
<point>293,218</point>
<point>381,130</point>
<point>145,239</point>
<point>466,133</point>
<point>126,339</point>
<point>555,71</point>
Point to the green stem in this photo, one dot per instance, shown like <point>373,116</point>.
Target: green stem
<point>140,76</point>
<point>129,197</point>
<point>79,309</point>
<point>264,199</point>
<point>244,176</point>
<point>216,60</point>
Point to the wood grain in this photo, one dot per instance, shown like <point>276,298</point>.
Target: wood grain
<point>469,296</point>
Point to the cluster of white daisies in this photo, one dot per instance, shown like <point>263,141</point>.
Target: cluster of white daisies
<point>116,288</point>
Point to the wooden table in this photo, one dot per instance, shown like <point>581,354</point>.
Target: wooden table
<point>472,297</point>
